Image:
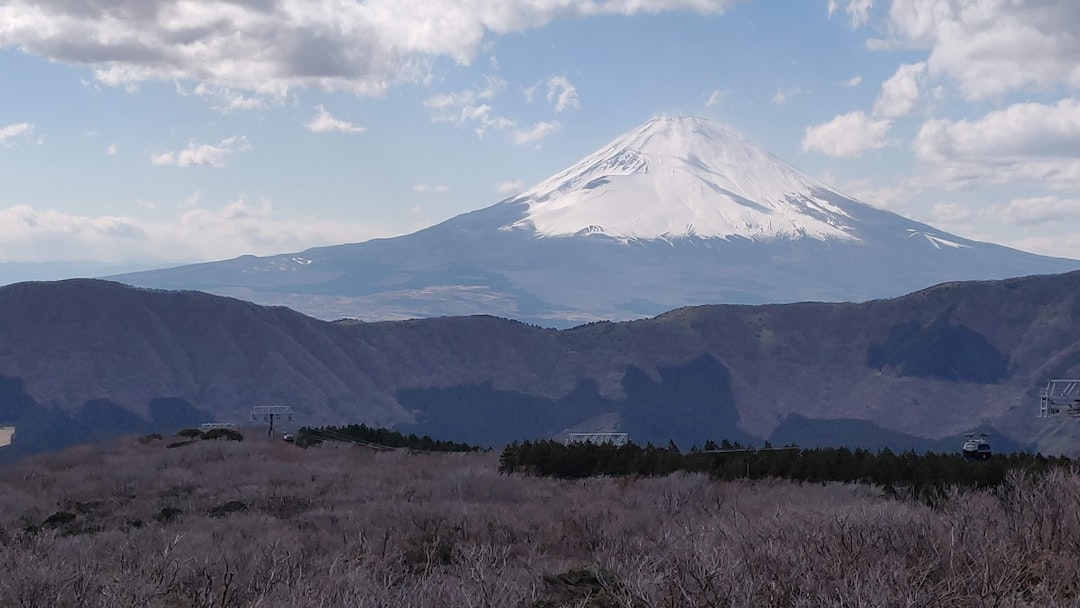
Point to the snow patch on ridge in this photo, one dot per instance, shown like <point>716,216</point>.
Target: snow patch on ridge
<point>683,177</point>
<point>937,241</point>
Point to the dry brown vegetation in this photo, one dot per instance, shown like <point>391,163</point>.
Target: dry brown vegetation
<point>222,524</point>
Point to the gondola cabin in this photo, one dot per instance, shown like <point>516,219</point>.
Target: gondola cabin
<point>976,447</point>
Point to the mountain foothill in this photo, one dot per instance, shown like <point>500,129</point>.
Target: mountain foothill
<point>86,358</point>
<point>679,284</point>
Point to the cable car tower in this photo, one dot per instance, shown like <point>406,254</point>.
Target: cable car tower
<point>976,447</point>
<point>616,439</point>
<point>269,413</point>
<point>1060,397</point>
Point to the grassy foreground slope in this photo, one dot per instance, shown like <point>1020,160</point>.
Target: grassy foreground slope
<point>253,523</point>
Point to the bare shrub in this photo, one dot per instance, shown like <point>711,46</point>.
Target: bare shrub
<point>223,524</point>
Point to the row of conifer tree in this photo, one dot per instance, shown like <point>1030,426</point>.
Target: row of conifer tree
<point>728,461</point>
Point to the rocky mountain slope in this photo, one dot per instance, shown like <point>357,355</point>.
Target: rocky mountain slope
<point>84,358</point>
<point>677,212</point>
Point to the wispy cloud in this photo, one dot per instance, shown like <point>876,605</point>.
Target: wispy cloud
<point>430,189</point>
<point>192,200</point>
<point>210,155</point>
<point>858,11</point>
<point>783,96</point>
<point>563,94</point>
<point>235,228</point>
<point>716,97</point>
<point>470,107</point>
<point>535,133</point>
<point>510,187</point>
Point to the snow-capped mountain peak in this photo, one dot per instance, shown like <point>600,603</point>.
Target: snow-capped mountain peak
<point>678,177</point>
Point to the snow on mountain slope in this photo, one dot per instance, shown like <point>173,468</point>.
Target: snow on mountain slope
<point>681,177</point>
<point>677,212</point>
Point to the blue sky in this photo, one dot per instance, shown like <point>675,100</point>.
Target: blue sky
<point>160,131</point>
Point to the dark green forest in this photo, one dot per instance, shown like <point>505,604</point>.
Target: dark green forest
<point>378,438</point>
<point>728,461</point>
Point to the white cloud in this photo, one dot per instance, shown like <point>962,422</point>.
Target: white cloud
<point>850,135</point>
<point>470,106</point>
<point>1024,142</point>
<point>268,48</point>
<point>990,47</point>
<point>237,228</point>
<point>324,122</point>
<point>430,189</point>
<point>10,132</point>
<point>111,150</point>
<point>716,97</point>
<point>1037,210</point>
<point>1040,224</point>
<point>783,96</point>
<point>952,213</point>
<point>847,135</point>
<point>510,186</point>
<point>224,98</point>
<point>852,82</point>
<point>192,199</point>
<point>535,133</point>
<point>562,93</point>
<point>900,92</point>
<point>858,11</point>
<point>1065,246</point>
<point>212,155</point>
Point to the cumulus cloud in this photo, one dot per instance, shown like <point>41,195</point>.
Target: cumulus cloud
<point>535,133</point>
<point>211,155</point>
<point>237,228</point>
<point>430,188</point>
<point>852,82</point>
<point>850,135</point>
<point>324,122</point>
<point>562,93</point>
<point>900,92</point>
<point>20,129</point>
<point>1024,142</point>
<point>846,136</point>
<point>993,46</point>
<point>269,48</point>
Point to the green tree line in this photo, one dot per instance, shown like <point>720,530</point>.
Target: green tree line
<point>378,437</point>
<point>729,461</point>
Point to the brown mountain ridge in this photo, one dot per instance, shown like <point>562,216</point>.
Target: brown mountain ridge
<point>81,359</point>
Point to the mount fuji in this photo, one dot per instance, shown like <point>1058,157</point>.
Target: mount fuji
<point>679,211</point>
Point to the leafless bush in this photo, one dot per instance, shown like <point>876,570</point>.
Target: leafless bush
<point>137,524</point>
